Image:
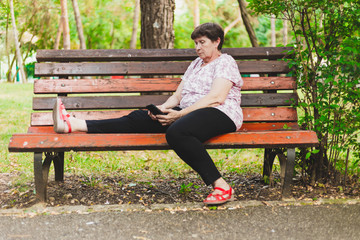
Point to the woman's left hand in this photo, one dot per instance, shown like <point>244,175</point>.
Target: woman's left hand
<point>170,117</point>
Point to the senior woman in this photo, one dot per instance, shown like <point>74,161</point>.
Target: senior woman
<point>205,104</point>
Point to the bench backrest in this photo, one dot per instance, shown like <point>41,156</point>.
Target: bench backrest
<point>99,84</point>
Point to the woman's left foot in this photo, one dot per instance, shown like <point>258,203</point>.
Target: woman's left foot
<point>61,118</point>
<point>222,196</point>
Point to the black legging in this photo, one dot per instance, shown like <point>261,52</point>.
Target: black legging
<point>185,136</point>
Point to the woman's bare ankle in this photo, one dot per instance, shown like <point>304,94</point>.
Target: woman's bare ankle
<point>78,125</point>
<point>221,183</point>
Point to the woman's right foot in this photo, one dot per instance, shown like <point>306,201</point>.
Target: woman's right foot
<point>61,118</point>
<point>219,196</point>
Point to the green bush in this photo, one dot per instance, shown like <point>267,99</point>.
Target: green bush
<point>326,58</point>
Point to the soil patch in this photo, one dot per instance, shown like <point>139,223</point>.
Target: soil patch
<point>80,190</point>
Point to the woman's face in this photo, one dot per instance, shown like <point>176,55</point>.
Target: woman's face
<point>206,49</point>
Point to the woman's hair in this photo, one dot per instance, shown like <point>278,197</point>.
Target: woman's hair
<point>213,31</point>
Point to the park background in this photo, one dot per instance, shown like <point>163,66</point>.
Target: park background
<point>324,34</point>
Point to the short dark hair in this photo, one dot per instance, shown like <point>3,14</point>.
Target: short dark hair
<point>213,31</point>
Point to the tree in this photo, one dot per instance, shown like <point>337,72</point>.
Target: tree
<point>221,12</point>
<point>285,32</point>
<point>17,44</point>
<point>65,24</point>
<point>79,26</point>
<point>273,31</point>
<point>247,23</point>
<point>327,60</point>
<point>233,23</point>
<point>157,20</point>
<point>58,34</point>
<point>196,13</point>
<point>135,24</point>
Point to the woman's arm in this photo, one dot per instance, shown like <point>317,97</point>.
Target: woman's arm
<point>219,90</point>
<point>173,100</point>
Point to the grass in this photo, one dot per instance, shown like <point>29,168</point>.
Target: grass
<point>15,105</point>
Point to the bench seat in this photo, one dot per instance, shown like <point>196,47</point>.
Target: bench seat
<point>52,142</point>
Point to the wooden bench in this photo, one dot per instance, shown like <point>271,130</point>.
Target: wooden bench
<point>82,78</point>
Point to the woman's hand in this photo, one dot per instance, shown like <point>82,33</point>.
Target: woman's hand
<point>170,117</point>
<point>154,117</point>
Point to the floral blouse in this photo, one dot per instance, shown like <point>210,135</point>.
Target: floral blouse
<point>198,81</point>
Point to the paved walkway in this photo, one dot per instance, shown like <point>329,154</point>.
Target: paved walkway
<point>237,220</point>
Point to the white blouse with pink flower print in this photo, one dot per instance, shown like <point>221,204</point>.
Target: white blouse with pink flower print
<point>198,81</point>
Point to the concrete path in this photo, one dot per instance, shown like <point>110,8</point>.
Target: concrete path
<point>237,220</point>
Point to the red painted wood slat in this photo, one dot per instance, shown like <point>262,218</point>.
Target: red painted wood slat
<point>97,142</point>
<point>128,85</point>
<point>276,126</point>
<point>271,114</point>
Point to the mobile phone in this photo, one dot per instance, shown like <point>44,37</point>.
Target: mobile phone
<point>155,110</point>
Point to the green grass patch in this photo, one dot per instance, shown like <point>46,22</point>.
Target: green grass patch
<point>16,107</point>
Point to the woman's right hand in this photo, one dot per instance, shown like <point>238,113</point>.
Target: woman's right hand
<point>152,116</point>
<point>170,117</point>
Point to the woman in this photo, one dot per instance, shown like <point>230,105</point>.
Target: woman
<point>205,104</point>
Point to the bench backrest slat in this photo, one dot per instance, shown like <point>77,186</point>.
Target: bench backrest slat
<point>128,102</point>
<point>51,86</point>
<point>271,114</point>
<point>98,55</point>
<point>145,68</point>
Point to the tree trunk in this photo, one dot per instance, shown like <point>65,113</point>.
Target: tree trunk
<point>65,20</point>
<point>79,25</point>
<point>247,23</point>
<point>17,45</point>
<point>273,31</point>
<point>196,13</point>
<point>58,34</point>
<point>157,20</point>
<point>135,24</point>
<point>232,24</point>
<point>8,73</point>
<point>285,32</point>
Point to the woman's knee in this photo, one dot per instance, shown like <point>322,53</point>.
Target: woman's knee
<point>171,135</point>
<point>174,133</point>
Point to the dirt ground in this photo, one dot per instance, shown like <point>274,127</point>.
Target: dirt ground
<point>81,190</point>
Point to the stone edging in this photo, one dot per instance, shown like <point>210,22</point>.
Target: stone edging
<point>41,209</point>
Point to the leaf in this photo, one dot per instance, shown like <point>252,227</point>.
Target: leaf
<point>315,151</point>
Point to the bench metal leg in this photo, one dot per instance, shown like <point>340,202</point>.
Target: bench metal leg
<point>269,157</point>
<point>287,172</point>
<point>41,171</point>
<point>59,166</point>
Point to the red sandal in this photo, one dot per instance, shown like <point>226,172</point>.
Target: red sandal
<point>225,196</point>
<point>60,117</point>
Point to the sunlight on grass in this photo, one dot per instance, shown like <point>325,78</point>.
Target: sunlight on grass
<point>16,104</point>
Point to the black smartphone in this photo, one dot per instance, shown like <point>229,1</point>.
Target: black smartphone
<point>155,110</point>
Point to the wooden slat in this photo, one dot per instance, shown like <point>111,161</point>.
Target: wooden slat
<point>271,114</point>
<point>109,142</point>
<point>268,99</point>
<point>259,126</point>
<point>98,55</point>
<point>128,85</point>
<point>146,68</point>
<point>119,102</point>
<point>51,86</point>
